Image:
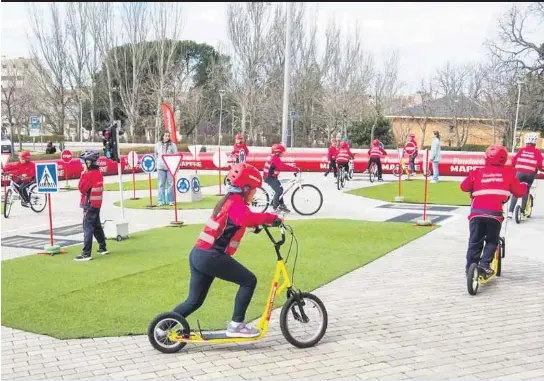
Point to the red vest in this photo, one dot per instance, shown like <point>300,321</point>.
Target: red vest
<point>93,196</point>
<point>343,155</point>
<point>220,233</point>
<point>375,151</point>
<point>528,159</point>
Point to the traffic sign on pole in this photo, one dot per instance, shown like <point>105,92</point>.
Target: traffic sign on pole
<point>183,185</point>
<point>172,162</point>
<point>34,129</point>
<point>293,115</point>
<point>148,163</point>
<point>46,177</point>
<point>66,156</point>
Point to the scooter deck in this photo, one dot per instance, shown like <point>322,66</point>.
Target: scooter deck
<point>214,335</point>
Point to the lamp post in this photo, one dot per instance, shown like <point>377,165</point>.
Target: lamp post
<point>286,73</point>
<point>221,94</point>
<point>516,122</point>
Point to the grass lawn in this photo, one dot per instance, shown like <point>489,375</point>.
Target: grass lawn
<point>120,293</point>
<point>205,181</point>
<point>207,202</point>
<point>442,193</point>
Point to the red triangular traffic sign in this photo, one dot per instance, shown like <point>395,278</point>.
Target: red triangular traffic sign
<point>172,162</point>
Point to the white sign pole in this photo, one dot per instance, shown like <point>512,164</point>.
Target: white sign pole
<point>119,172</point>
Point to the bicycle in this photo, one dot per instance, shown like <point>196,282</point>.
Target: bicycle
<point>406,169</point>
<point>169,332</point>
<point>373,172</point>
<point>342,178</point>
<point>351,167</point>
<point>262,199</point>
<point>12,194</point>
<point>518,216</point>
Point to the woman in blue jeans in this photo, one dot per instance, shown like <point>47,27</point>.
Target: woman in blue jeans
<point>165,193</point>
<point>435,155</point>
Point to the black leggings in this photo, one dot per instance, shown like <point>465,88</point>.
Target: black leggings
<point>378,164</point>
<point>275,184</point>
<point>206,265</point>
<point>23,188</point>
<point>523,177</point>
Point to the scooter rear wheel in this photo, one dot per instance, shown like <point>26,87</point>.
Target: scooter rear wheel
<point>161,326</point>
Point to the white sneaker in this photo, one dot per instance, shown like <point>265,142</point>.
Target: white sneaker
<point>434,181</point>
<point>510,214</point>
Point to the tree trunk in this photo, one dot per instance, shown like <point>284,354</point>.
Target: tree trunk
<point>93,127</point>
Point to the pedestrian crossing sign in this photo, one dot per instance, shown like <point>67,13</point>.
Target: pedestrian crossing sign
<point>46,178</point>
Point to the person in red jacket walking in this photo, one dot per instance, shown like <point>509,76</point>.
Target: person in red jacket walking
<point>271,171</point>
<point>411,149</point>
<point>490,188</point>
<point>91,187</point>
<point>527,162</point>
<point>239,145</point>
<point>344,154</point>
<point>331,156</point>
<point>375,153</point>
<point>25,173</point>
<point>212,255</point>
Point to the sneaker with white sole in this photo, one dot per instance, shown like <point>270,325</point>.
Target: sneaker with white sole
<point>83,257</point>
<point>102,251</point>
<point>241,330</point>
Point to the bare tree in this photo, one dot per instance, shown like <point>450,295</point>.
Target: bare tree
<point>385,86</point>
<point>167,25</point>
<point>515,46</point>
<point>130,60</point>
<point>50,67</point>
<point>428,97</point>
<point>77,22</point>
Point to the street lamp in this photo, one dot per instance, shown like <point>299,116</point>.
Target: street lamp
<point>516,122</point>
<point>221,94</point>
<point>286,73</point>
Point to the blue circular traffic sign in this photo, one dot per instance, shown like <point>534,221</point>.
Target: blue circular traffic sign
<point>183,185</point>
<point>148,163</point>
<point>196,185</point>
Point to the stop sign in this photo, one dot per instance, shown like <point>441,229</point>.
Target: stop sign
<point>66,156</point>
<point>410,148</point>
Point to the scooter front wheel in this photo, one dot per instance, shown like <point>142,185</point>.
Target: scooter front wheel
<point>160,328</point>
<point>472,279</point>
<point>303,309</point>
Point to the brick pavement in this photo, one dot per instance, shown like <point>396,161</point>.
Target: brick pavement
<point>406,315</point>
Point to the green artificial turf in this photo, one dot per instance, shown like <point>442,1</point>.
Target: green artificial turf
<point>120,293</point>
<point>442,193</point>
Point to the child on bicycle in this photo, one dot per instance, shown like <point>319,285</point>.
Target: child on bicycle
<point>344,155</point>
<point>239,145</point>
<point>25,171</point>
<point>331,156</point>
<point>212,255</point>
<point>271,171</point>
<point>375,153</point>
<point>490,188</point>
<point>527,162</point>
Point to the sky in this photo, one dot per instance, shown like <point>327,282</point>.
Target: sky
<point>427,35</point>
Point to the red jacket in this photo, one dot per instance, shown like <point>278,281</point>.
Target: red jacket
<point>333,152</point>
<point>274,166</point>
<point>224,232</point>
<point>528,159</point>
<point>19,169</point>
<point>238,147</point>
<point>91,187</point>
<point>376,151</point>
<point>344,154</point>
<point>490,188</point>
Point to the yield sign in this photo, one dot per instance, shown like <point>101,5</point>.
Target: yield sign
<point>5,159</point>
<point>172,161</point>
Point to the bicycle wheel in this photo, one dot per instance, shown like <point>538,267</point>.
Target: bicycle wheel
<point>350,172</point>
<point>340,175</point>
<point>344,179</point>
<point>498,258</point>
<point>472,279</point>
<point>302,307</point>
<point>38,201</point>
<point>373,172</point>
<point>517,214</point>
<point>396,170</point>
<point>261,201</point>
<point>8,201</point>
<point>161,326</point>
<point>308,189</point>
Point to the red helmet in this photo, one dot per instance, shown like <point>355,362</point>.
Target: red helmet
<point>334,141</point>
<point>24,155</point>
<point>496,155</point>
<point>375,142</point>
<point>278,148</point>
<point>240,137</point>
<point>243,174</point>
<point>411,135</point>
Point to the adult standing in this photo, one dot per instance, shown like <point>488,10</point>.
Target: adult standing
<point>435,156</point>
<point>165,194</point>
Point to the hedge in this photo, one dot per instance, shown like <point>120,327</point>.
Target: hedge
<point>124,151</point>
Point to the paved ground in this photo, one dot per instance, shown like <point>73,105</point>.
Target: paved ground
<point>406,315</point>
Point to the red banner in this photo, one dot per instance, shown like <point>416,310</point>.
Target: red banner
<point>169,122</point>
<point>452,163</point>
